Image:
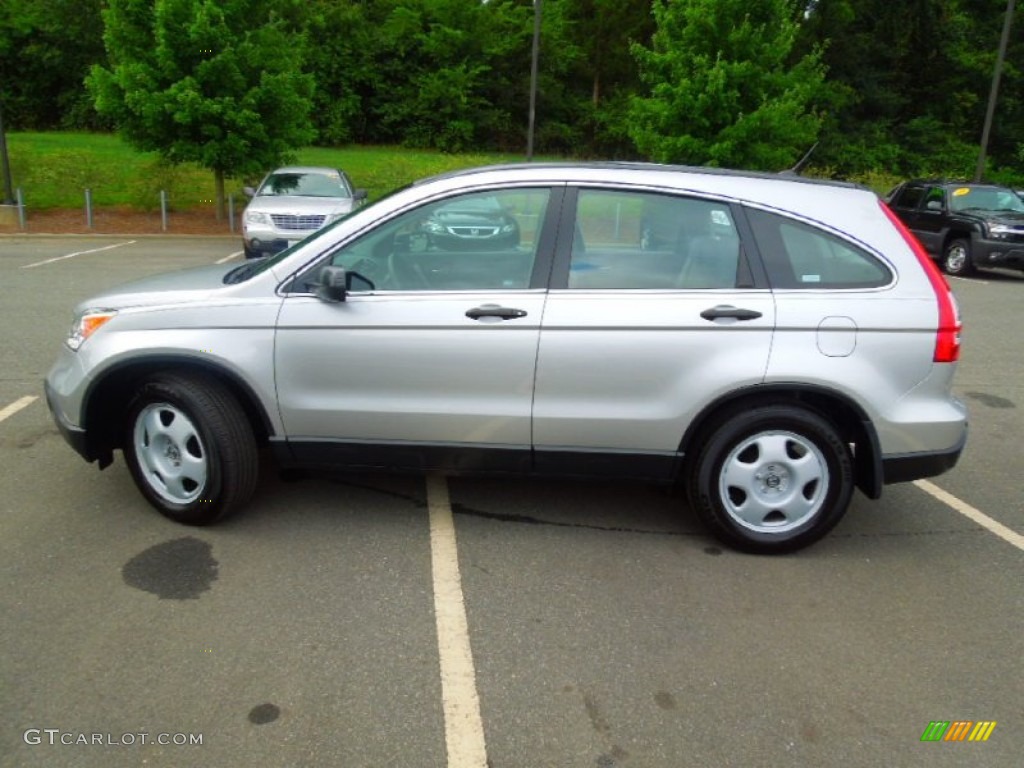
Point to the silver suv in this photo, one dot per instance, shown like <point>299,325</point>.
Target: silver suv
<point>770,341</point>
<point>293,202</point>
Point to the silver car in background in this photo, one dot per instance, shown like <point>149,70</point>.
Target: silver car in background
<point>772,343</point>
<point>293,202</point>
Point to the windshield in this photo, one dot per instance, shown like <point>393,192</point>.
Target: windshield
<point>243,272</point>
<point>255,266</point>
<point>315,184</point>
<point>995,199</point>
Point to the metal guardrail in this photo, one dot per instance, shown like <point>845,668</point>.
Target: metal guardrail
<point>91,210</point>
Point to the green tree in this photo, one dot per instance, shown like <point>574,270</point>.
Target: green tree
<point>441,73</point>
<point>342,64</point>
<point>46,49</point>
<point>910,85</point>
<point>724,89</point>
<point>895,105</point>
<point>978,25</point>
<point>605,74</point>
<point>214,82</point>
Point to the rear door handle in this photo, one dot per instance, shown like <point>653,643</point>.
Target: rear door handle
<point>493,310</point>
<point>727,310</point>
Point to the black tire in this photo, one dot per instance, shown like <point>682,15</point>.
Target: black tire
<point>771,479</point>
<point>956,259</point>
<point>250,254</point>
<point>190,448</point>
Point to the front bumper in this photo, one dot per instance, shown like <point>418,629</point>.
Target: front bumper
<point>267,247</point>
<point>269,239</point>
<point>75,436</point>
<point>998,253</point>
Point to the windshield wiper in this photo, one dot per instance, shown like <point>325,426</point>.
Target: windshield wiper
<point>241,273</point>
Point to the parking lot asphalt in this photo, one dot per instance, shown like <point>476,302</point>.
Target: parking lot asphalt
<point>604,627</point>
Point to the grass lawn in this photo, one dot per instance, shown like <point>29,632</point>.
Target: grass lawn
<point>54,169</point>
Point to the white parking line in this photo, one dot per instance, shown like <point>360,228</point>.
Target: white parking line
<point>16,406</point>
<point>77,253</point>
<point>965,509</point>
<point>969,279</point>
<point>229,257</point>
<point>463,726</point>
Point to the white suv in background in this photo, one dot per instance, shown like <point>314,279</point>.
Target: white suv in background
<point>293,202</point>
<point>769,341</point>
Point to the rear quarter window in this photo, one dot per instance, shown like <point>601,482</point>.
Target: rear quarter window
<point>798,255</point>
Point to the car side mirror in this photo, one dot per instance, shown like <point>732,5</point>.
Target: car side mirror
<point>359,195</point>
<point>333,284</point>
<point>933,205</point>
<point>249,191</point>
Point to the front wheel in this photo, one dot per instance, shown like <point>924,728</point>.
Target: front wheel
<point>190,448</point>
<point>957,258</point>
<point>772,479</point>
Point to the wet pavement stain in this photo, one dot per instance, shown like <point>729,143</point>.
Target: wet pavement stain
<point>665,700</point>
<point>612,758</point>
<point>30,440</point>
<point>264,713</point>
<point>597,719</point>
<point>180,569</point>
<point>992,401</point>
<point>600,724</point>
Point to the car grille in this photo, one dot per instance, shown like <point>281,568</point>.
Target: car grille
<point>473,231</point>
<point>297,223</point>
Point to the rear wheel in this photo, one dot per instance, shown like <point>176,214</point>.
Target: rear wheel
<point>190,448</point>
<point>957,258</point>
<point>772,479</point>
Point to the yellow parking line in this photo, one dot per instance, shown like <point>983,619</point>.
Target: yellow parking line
<point>229,257</point>
<point>463,726</point>
<point>1006,534</point>
<point>17,405</point>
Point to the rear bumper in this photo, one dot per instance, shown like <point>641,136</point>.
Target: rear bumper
<point>915,466</point>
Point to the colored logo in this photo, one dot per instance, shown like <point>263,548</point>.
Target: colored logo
<point>958,730</point>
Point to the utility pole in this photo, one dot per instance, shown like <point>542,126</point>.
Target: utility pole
<point>5,161</point>
<point>533,78</point>
<point>990,112</point>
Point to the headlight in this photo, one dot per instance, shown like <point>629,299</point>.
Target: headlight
<point>255,217</point>
<point>86,324</point>
<point>1001,230</point>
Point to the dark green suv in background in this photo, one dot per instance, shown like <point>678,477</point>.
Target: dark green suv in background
<point>964,226</point>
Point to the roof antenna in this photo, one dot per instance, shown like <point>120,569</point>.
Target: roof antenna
<point>801,163</point>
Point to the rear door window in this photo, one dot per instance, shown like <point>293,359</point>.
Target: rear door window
<point>630,240</point>
<point>909,197</point>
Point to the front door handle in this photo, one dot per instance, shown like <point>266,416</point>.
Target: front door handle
<point>496,311</point>
<point>727,310</point>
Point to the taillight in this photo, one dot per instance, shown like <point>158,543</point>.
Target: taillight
<point>947,336</point>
